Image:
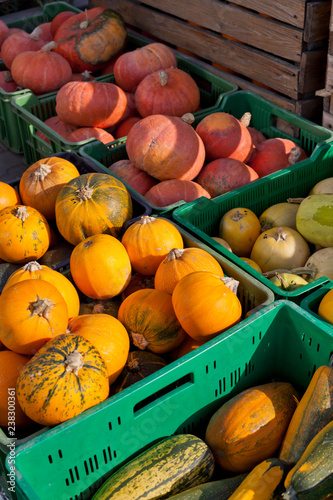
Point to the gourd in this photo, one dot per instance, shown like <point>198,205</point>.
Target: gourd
<point>60,127</point>
<point>286,281</point>
<point>279,214</point>
<point>148,241</point>
<point>91,38</point>
<point>225,174</point>
<point>24,234</point>
<point>92,204</point>
<point>323,187</point>
<point>240,227</point>
<point>189,463</point>
<point>173,191</point>
<point>180,262</point>
<point>188,345</point>
<point>85,133</point>
<point>149,317</point>
<point>249,427</point>
<point>325,309</point>
<point>100,266</point>
<point>133,176</point>
<point>41,71</point>
<point>275,154</point>
<point>7,83</point>
<point>170,91</point>
<point>107,335</point>
<point>131,67</point>
<point>59,19</point>
<point>314,219</point>
<point>125,126</point>
<point>41,182</point>
<point>313,413</point>
<point>251,263</point>
<point>166,147</point>
<point>17,43</point>
<point>72,377</point>
<point>204,305</point>
<point>31,312</point>
<point>321,263</point>
<point>312,476</point>
<point>8,195</point>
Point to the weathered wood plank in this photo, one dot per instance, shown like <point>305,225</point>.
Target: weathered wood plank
<point>312,71</point>
<point>328,120</point>
<point>257,65</point>
<point>316,26</point>
<point>290,12</point>
<point>329,73</point>
<point>246,26</point>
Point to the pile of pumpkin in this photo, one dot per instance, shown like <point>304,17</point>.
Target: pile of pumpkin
<point>265,442</point>
<point>147,293</point>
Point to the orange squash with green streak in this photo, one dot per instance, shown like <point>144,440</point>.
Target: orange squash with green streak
<point>92,204</point>
<point>149,318</point>
<point>249,427</point>
<point>72,377</point>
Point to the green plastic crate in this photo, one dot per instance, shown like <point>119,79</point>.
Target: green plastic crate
<point>312,301</point>
<point>76,457</point>
<point>252,295</point>
<point>9,128</point>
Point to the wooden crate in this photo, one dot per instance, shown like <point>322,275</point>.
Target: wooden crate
<point>327,92</point>
<point>277,49</point>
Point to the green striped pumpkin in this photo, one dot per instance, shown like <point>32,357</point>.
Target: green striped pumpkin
<point>171,466</point>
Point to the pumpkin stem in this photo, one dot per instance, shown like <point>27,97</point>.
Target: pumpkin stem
<point>74,362</point>
<point>163,78</point>
<point>41,307</point>
<point>86,75</point>
<point>230,283</point>
<point>246,119</point>
<point>98,309</point>
<point>295,200</point>
<point>147,219</point>
<point>32,266</point>
<point>188,118</point>
<point>290,494</point>
<point>42,171</point>
<point>21,213</point>
<point>294,156</point>
<point>8,77</point>
<point>84,193</point>
<point>284,283</point>
<point>280,235</point>
<point>175,253</point>
<point>35,34</point>
<point>139,340</point>
<point>236,216</point>
<point>49,46</point>
<point>133,365</point>
<point>85,23</point>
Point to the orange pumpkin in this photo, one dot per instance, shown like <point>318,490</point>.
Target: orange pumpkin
<point>125,126</point>
<point>24,234</point>
<point>108,335</point>
<point>8,195</point>
<point>59,19</point>
<point>204,305</point>
<point>41,182</point>
<point>180,262</point>
<point>17,43</point>
<point>91,204</point>
<point>72,377</point>
<point>31,313</point>
<point>100,266</point>
<point>4,31</point>
<point>174,190</point>
<point>7,82</point>
<point>148,241</point>
<point>34,270</point>
<point>240,227</point>
<point>85,133</point>
<point>62,128</point>
<point>134,177</point>
<point>149,317</point>
<point>188,345</point>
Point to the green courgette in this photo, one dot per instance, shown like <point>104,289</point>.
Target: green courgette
<point>213,490</point>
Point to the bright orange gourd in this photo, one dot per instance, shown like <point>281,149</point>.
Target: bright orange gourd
<point>174,190</point>
<point>31,313</point>
<point>325,309</point>
<point>72,377</point>
<point>204,305</point>
<point>240,227</point>
<point>85,133</point>
<point>17,43</point>
<point>41,182</point>
<point>8,196</point>
<point>148,241</point>
<point>134,177</point>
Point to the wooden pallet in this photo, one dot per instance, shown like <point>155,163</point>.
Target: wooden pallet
<point>278,49</point>
<point>327,92</point>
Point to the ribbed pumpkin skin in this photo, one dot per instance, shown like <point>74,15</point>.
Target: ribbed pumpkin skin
<point>174,190</point>
<point>149,317</point>
<point>170,91</point>
<point>166,148</point>
<point>17,43</point>
<point>62,128</point>
<point>249,427</point>
<point>33,270</point>
<point>225,137</point>
<point>204,305</point>
<point>41,182</point>
<point>24,329</point>
<point>91,104</point>
<point>91,47</point>
<point>100,267</point>
<point>313,413</point>
<point>40,71</point>
<point>148,241</point>
<point>131,67</point>
<point>8,195</point>
<point>136,178</point>
<point>85,133</point>
<point>180,262</point>
<point>62,392</point>
<point>171,466</point>
<point>23,240</point>
<point>108,336</point>
<point>92,204</point>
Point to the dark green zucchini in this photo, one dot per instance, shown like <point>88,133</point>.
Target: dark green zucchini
<point>171,466</point>
<point>213,490</point>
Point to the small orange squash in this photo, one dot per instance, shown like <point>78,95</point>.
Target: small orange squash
<point>8,195</point>
<point>204,305</point>
<point>108,336</point>
<point>240,227</point>
<point>31,313</point>
<point>148,241</point>
<point>325,309</point>
<point>72,377</point>
<point>180,262</point>
<point>149,317</point>
<point>174,190</point>
<point>250,426</point>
